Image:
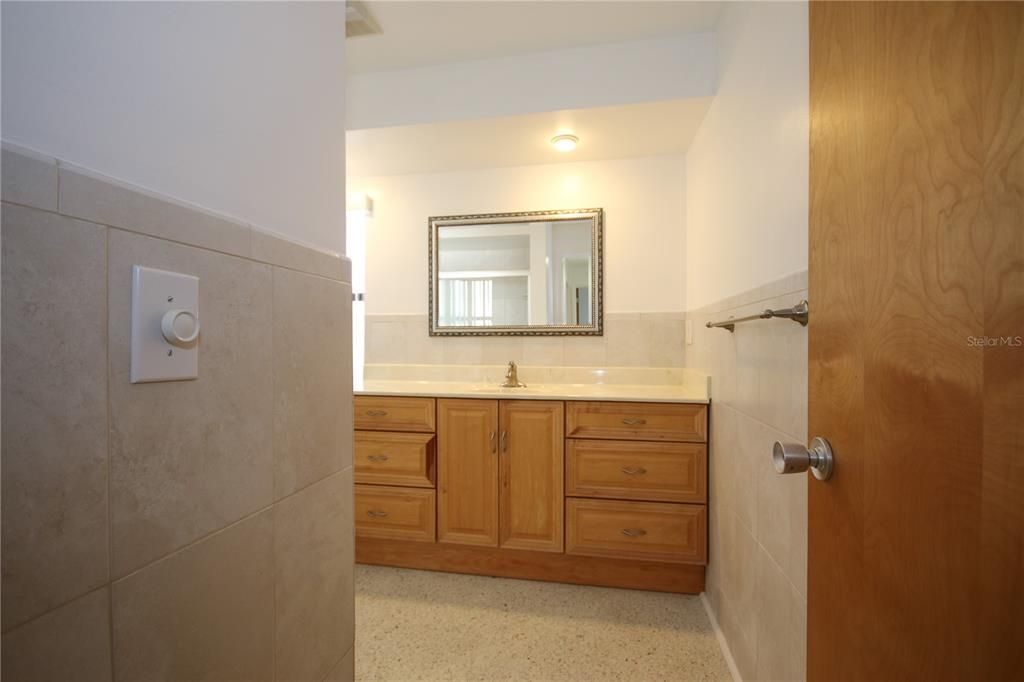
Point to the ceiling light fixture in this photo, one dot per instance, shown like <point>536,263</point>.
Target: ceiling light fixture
<point>565,143</point>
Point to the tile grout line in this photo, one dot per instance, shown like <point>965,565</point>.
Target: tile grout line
<point>179,242</point>
<point>273,476</point>
<point>229,526</point>
<point>110,519</point>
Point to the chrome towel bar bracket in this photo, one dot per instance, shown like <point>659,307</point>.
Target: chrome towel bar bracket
<point>797,313</point>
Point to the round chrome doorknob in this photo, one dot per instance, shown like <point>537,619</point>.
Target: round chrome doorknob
<point>792,458</point>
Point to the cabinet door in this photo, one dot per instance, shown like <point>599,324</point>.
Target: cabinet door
<point>532,445</point>
<point>467,472</point>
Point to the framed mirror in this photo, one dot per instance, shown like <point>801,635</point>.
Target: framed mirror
<point>536,273</point>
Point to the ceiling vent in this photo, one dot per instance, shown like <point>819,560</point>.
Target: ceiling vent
<point>359,21</point>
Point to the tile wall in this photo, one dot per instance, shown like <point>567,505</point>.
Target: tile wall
<point>757,571</point>
<point>629,340</point>
<point>184,530</point>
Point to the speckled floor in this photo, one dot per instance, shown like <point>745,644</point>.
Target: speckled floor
<point>420,625</point>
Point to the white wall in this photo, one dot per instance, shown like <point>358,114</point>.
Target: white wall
<point>677,67</point>
<point>747,168</point>
<point>235,107</point>
<point>644,202</point>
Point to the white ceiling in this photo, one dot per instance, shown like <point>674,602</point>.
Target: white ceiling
<point>634,130</point>
<point>440,32</point>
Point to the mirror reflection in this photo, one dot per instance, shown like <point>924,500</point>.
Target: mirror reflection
<point>524,275</point>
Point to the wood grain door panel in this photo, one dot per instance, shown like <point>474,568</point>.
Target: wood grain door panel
<point>916,545</point>
<point>467,472</point>
<point>532,465</point>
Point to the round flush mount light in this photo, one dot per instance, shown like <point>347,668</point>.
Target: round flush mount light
<point>564,143</point>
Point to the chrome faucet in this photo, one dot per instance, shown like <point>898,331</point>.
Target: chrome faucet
<point>512,377</point>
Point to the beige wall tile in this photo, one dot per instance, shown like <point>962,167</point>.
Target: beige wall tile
<point>782,625</point>
<point>782,398</point>
<point>585,351</point>
<point>500,350</point>
<point>751,457</point>
<point>278,251</point>
<point>739,574</point>
<point>55,541</point>
<point>29,179</point>
<point>102,200</point>
<point>782,516</point>
<point>626,340</point>
<point>312,373</point>
<point>758,518</point>
<point>71,642</point>
<point>386,342</point>
<point>345,671</point>
<point>313,555</point>
<point>666,339</point>
<point>544,351</point>
<point>742,646</point>
<point>463,350</point>
<point>205,613</point>
<point>190,457</point>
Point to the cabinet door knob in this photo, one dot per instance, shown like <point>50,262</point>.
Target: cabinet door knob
<point>377,458</point>
<point>376,513</point>
<point>634,532</point>
<point>634,421</point>
<point>494,442</point>
<point>634,471</point>
<point>376,413</point>
<point>504,441</point>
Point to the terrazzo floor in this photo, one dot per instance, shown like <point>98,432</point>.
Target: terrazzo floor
<point>422,625</point>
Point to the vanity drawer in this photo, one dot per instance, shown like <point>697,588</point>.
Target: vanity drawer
<point>655,531</point>
<point>388,413</point>
<point>386,458</point>
<point>637,421</point>
<point>636,470</point>
<point>395,513</point>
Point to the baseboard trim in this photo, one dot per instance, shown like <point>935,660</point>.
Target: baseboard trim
<point>548,566</point>
<point>720,636</point>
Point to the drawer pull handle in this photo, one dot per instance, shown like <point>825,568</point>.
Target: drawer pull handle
<point>634,421</point>
<point>634,532</point>
<point>377,513</point>
<point>377,458</point>
<point>634,471</point>
<point>376,413</point>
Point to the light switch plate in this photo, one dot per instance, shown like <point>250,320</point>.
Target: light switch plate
<point>153,358</point>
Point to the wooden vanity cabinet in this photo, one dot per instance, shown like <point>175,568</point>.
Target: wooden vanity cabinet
<point>500,472</point>
<point>609,493</point>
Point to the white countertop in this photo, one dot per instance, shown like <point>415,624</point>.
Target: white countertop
<point>659,385</point>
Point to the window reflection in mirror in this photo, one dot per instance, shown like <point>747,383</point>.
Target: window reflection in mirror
<point>515,274</point>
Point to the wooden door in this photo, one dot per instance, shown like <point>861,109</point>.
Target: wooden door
<point>916,545</point>
<point>532,448</point>
<point>467,472</point>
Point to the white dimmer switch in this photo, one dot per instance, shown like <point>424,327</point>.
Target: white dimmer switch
<point>165,325</point>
